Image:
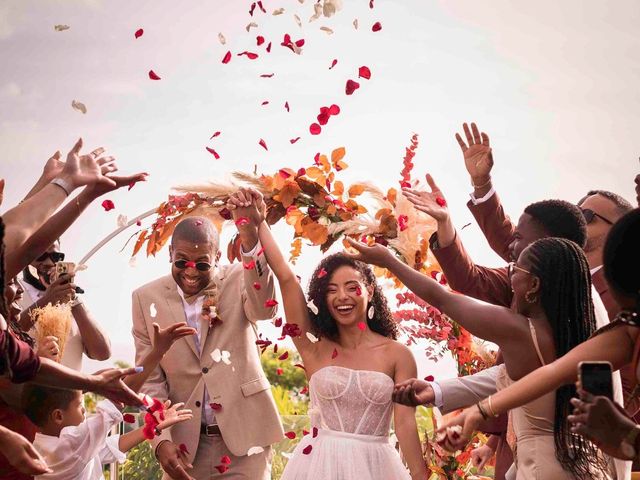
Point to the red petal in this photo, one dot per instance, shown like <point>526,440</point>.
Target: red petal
<point>322,273</point>
<point>153,76</point>
<point>314,432</point>
<point>266,75</point>
<point>402,222</point>
<point>198,223</point>
<point>259,40</point>
<point>222,468</point>
<point>429,378</point>
<point>278,322</point>
<point>225,460</point>
<point>307,450</point>
<point>131,185</point>
<point>108,205</point>
<point>250,55</point>
<point>334,354</point>
<point>249,266</point>
<point>362,326</point>
<point>139,33</point>
<point>241,221</point>
<point>263,144</point>
<point>364,72</point>
<point>275,348</point>
<point>285,174</point>
<point>260,252</point>
<point>304,391</point>
<point>227,57</point>
<point>139,223</point>
<point>262,8</point>
<point>213,152</point>
<point>333,64</point>
<point>284,356</point>
<point>257,285</point>
<point>190,265</point>
<point>215,134</point>
<point>290,435</point>
<point>315,129</point>
<point>286,105</point>
<point>441,201</point>
<point>334,109</point>
<point>215,406</point>
<point>323,118</point>
<point>269,48</point>
<point>351,87</point>
<point>301,172</point>
<point>266,102</point>
<point>300,43</point>
<point>370,3</point>
<point>128,418</point>
<point>183,448</point>
<point>294,140</point>
<point>305,432</point>
<point>272,302</point>
<point>376,27</point>
<point>253,7</point>
<point>358,290</point>
<point>279,371</point>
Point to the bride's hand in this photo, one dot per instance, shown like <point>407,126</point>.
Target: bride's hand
<point>456,433</point>
<point>247,203</point>
<point>375,254</point>
<point>413,392</point>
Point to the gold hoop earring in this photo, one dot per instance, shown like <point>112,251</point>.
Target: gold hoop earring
<point>530,299</point>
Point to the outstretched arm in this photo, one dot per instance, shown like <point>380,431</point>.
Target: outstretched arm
<point>483,320</point>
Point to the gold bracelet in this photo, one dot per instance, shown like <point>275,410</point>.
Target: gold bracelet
<point>481,186</point>
<point>491,410</point>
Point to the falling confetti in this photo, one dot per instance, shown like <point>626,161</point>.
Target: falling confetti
<point>108,205</point>
<point>263,144</point>
<point>333,63</point>
<point>79,106</point>
<point>153,75</point>
<point>298,21</point>
<point>364,72</point>
<point>215,134</point>
<point>278,11</point>
<point>122,221</point>
<point>312,338</point>
<point>221,39</point>
<point>327,30</point>
<point>286,105</point>
<point>213,152</point>
<point>138,33</point>
<point>351,86</point>
<point>251,25</point>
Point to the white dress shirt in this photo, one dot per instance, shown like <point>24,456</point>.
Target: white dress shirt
<point>79,452</point>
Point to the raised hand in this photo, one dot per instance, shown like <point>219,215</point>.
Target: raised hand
<point>456,433</point>
<point>84,170</point>
<point>21,454</point>
<point>173,461</point>
<point>477,154</point>
<point>109,384</point>
<point>413,392</point>
<point>96,190</point>
<point>163,338</point>
<point>374,255</point>
<point>49,348</point>
<point>248,203</point>
<point>432,203</point>
<point>172,414</point>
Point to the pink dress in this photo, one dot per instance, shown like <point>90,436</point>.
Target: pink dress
<point>352,411</point>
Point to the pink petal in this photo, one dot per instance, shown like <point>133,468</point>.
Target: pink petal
<point>294,140</point>
<point>241,221</point>
<point>227,57</point>
<point>362,326</point>
<point>215,134</point>
<point>307,450</point>
<point>108,205</point>
<point>259,40</point>
<point>334,354</point>
<point>364,72</point>
<point>272,302</point>
<point>225,460</point>
<point>351,86</point>
<point>138,33</point>
<point>376,27</point>
<point>257,285</point>
<point>286,105</point>
<point>153,75</point>
<point>215,406</point>
<point>213,152</point>
<point>334,109</point>
<point>315,129</point>
<point>322,273</point>
<point>263,144</point>
<point>266,75</point>
<point>333,64</point>
<point>221,468</point>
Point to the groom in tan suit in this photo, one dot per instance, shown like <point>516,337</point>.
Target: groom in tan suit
<point>217,373</point>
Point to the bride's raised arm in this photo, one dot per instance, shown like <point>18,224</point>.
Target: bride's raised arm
<point>293,298</point>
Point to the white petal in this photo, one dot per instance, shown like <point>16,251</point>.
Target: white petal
<point>251,25</point>
<point>61,28</point>
<point>312,307</point>
<point>152,310</point>
<point>254,450</point>
<point>326,29</point>
<point>222,39</point>
<point>226,357</point>
<point>298,21</point>
<point>133,261</point>
<point>355,24</point>
<point>278,11</point>
<point>122,221</point>
<point>216,355</point>
<point>312,338</point>
<point>79,106</point>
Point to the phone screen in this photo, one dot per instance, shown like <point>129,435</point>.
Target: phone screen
<point>595,378</point>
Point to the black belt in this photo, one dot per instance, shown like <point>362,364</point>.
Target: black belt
<point>209,430</point>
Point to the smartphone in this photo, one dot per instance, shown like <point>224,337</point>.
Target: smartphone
<point>62,268</point>
<point>596,378</point>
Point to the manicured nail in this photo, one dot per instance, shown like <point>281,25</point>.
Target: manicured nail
<point>139,369</point>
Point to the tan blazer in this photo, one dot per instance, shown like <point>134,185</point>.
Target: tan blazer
<point>248,417</point>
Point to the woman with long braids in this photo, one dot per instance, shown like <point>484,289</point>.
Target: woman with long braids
<point>553,313</point>
<point>618,343</point>
<point>351,369</point>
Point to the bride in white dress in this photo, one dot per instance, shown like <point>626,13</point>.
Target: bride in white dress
<point>352,369</point>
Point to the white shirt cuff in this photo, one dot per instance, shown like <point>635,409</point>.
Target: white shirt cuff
<point>112,452</point>
<point>437,395</point>
<point>253,251</point>
<point>477,201</point>
<point>107,408</point>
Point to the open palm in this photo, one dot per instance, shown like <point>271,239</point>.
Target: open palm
<point>478,158</point>
<point>432,203</point>
<point>172,415</point>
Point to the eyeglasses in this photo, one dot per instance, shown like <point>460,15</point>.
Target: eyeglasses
<point>513,267</point>
<point>202,266</point>
<point>54,256</point>
<point>589,215</point>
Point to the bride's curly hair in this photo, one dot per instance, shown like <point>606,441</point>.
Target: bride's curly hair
<point>323,323</point>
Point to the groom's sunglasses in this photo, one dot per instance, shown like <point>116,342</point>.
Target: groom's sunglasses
<point>202,266</point>
<point>54,256</point>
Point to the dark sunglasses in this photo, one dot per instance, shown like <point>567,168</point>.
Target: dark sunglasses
<point>54,256</point>
<point>202,266</point>
<point>589,215</point>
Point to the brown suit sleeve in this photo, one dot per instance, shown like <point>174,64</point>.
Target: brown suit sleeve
<point>488,284</point>
<point>495,224</point>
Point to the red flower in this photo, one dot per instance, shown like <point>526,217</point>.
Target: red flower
<point>351,87</point>
<point>402,222</point>
<point>307,450</point>
<point>376,27</point>
<point>315,129</point>
<point>290,435</point>
<point>153,75</point>
<point>139,33</point>
<point>272,302</point>
<point>364,72</point>
<point>108,205</point>
<point>227,57</point>
<point>284,356</point>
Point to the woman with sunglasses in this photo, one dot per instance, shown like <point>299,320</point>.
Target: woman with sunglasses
<point>552,313</point>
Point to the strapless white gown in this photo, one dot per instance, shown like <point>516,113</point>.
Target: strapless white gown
<point>352,411</point>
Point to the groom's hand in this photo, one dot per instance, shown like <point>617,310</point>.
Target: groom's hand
<point>173,461</point>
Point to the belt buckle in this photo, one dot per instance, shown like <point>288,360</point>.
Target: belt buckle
<point>211,430</point>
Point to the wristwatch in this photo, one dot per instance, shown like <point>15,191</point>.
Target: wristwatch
<point>628,444</point>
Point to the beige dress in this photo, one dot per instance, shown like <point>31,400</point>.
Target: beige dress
<point>535,455</point>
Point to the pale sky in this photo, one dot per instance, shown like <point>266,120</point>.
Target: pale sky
<point>554,84</point>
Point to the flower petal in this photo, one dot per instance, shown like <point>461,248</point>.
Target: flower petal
<point>322,273</point>
<point>128,418</point>
<point>213,152</point>
<point>334,109</point>
<point>290,435</point>
<point>286,105</point>
<point>272,302</point>
<point>284,356</point>
<point>376,27</point>
<point>362,326</point>
<point>215,134</point>
<point>222,468</point>
<point>429,378</point>
<point>307,450</point>
<point>227,57</point>
<point>279,371</point>
<point>249,266</point>
<point>441,201</point>
<point>266,75</point>
<point>364,72</point>
<point>221,39</point>
<point>249,55</point>
<point>225,460</point>
<point>351,86</point>
<point>108,205</point>
<point>257,286</point>
<point>251,25</point>
<point>334,354</point>
<point>263,144</point>
<point>333,63</point>
<point>153,75</point>
<point>138,33</point>
<point>241,221</point>
<point>216,407</point>
<point>254,450</point>
<point>294,140</point>
<point>315,129</point>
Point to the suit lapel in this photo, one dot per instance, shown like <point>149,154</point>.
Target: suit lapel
<point>177,312</point>
<point>205,341</point>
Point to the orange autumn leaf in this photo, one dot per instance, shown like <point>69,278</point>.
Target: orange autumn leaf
<point>392,194</point>
<point>288,193</point>
<point>141,238</point>
<point>319,200</point>
<point>294,217</point>
<point>315,173</point>
<point>381,212</point>
<point>355,190</point>
<point>338,189</point>
<point>337,155</point>
<point>314,232</point>
<point>388,226</point>
<point>151,243</point>
<point>296,249</point>
<point>324,163</point>
<point>331,209</point>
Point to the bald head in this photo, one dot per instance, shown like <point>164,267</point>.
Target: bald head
<point>196,230</point>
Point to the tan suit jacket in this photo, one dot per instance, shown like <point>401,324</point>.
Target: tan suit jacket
<point>248,417</point>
